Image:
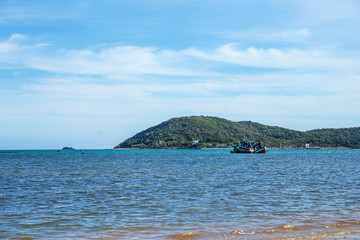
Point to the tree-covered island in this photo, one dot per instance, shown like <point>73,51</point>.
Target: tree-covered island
<point>214,132</point>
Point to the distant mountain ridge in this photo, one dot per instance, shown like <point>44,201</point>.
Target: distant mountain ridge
<point>201,131</point>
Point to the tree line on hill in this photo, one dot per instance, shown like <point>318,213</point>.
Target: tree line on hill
<point>201,131</point>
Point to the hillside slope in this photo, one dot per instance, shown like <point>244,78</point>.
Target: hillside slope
<point>194,131</point>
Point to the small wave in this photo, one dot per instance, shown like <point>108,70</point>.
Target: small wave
<point>38,224</point>
<point>136,229</point>
<point>346,223</point>
<point>286,229</point>
<point>309,231</point>
<point>240,232</point>
<point>185,236</point>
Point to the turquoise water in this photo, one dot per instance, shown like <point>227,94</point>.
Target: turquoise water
<point>179,194</point>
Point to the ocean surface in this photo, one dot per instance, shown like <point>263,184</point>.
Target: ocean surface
<point>179,194</point>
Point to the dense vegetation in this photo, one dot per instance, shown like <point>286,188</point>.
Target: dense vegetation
<point>200,131</point>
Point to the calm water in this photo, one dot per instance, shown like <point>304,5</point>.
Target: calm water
<point>179,194</point>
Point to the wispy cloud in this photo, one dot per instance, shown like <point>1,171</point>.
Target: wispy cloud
<point>112,61</point>
<point>330,10</point>
<point>10,45</point>
<point>140,73</point>
<point>35,11</point>
<point>294,35</point>
<point>118,60</point>
<point>134,60</point>
<point>273,58</point>
<point>265,35</point>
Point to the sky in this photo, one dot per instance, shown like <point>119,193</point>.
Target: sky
<point>92,73</point>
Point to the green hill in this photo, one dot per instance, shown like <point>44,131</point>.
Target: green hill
<point>195,131</point>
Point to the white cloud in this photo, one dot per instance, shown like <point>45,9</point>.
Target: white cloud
<point>92,75</point>
<point>330,10</point>
<point>274,58</point>
<point>15,52</point>
<point>132,60</point>
<point>260,34</point>
<point>293,35</point>
<point>30,11</point>
<point>11,44</point>
<point>111,61</point>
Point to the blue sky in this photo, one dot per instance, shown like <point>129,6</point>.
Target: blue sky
<point>90,74</point>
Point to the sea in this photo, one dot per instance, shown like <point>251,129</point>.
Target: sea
<point>179,194</point>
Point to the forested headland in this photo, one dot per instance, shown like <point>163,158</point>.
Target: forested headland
<point>213,132</point>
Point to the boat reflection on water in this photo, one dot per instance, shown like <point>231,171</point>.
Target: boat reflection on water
<point>249,147</point>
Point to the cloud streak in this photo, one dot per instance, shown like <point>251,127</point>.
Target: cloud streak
<point>134,60</point>
<point>287,35</point>
<point>109,61</point>
<point>273,58</point>
<point>143,72</point>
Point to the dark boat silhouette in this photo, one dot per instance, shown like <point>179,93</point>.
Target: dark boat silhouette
<point>249,147</point>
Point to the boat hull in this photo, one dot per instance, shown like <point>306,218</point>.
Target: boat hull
<point>261,150</point>
<point>242,150</point>
<point>247,147</point>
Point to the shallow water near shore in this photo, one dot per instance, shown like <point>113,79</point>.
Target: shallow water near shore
<point>179,194</point>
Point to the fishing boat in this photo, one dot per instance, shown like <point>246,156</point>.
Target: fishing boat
<point>249,147</point>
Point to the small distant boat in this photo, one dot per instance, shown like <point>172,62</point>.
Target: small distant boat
<point>249,147</point>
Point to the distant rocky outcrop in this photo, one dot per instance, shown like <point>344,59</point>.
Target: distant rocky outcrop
<point>201,131</point>
<point>68,148</point>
